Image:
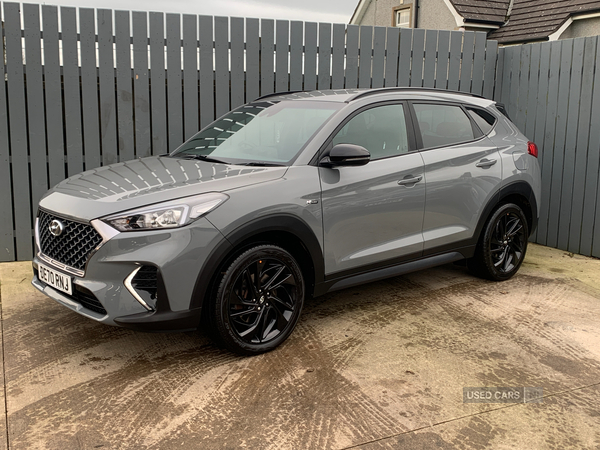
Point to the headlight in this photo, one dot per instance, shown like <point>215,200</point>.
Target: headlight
<point>171,214</point>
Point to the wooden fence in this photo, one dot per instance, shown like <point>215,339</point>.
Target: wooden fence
<point>552,92</point>
<point>111,86</point>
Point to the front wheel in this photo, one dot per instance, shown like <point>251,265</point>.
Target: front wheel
<point>502,246</point>
<point>259,300</point>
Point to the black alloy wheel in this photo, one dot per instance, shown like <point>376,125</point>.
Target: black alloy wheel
<point>259,300</point>
<point>502,246</point>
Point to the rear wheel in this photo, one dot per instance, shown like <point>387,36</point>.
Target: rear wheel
<point>502,245</point>
<point>259,300</point>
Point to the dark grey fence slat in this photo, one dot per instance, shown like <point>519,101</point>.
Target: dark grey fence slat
<point>190,75</point>
<point>222,65</point>
<point>108,109</point>
<point>568,172</point>
<point>143,137</point>
<point>267,46</point>
<point>513,92</point>
<point>159,93</point>
<point>124,86</point>
<point>541,107</point>
<point>581,152</point>
<point>7,242</point>
<point>296,54</point>
<point>478,63</point>
<point>237,62</point>
<point>71,90</point>
<point>337,58</point>
<point>52,90</point>
<point>310,56</point>
<point>252,59</point>
<point>489,79</point>
<point>89,88</point>
<point>559,142</point>
<point>324,77</point>
<point>521,92</point>
<point>500,72</point>
<point>174,100</point>
<point>456,39</point>
<point>590,243</point>
<point>532,90</point>
<point>207,101</point>
<point>441,78</point>
<point>431,42</point>
<point>282,33</point>
<point>36,119</point>
<point>352,36</point>
<point>392,46</point>
<point>18,131</point>
<point>378,57</point>
<point>548,144</point>
<point>418,52</point>
<point>365,57</point>
<point>466,69</point>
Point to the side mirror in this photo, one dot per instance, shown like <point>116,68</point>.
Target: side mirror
<point>346,155</point>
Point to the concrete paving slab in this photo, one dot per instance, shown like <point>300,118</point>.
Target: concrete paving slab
<point>379,365</point>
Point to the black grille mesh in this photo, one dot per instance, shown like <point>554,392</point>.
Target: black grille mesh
<point>146,280</point>
<point>86,299</point>
<point>73,246</point>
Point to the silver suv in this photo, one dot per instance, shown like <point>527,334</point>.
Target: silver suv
<point>290,196</point>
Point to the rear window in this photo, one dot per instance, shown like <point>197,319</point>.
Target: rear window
<point>484,120</point>
<point>443,125</point>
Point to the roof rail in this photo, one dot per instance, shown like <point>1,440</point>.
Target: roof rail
<point>404,89</point>
<point>276,94</point>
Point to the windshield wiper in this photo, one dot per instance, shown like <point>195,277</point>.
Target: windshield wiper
<point>260,164</point>
<point>202,158</point>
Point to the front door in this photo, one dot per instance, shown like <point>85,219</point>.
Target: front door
<point>373,214</point>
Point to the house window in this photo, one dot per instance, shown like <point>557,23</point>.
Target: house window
<point>402,16</point>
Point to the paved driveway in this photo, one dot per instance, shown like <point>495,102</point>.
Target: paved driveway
<point>379,366</point>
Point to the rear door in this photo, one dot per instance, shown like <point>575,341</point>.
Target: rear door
<point>373,214</point>
<point>462,172</point>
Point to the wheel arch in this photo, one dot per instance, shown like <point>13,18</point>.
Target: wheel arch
<point>286,231</point>
<point>519,193</point>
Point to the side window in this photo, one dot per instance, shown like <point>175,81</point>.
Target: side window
<point>484,120</point>
<point>443,125</point>
<point>381,130</point>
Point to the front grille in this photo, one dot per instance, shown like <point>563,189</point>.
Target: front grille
<point>88,300</point>
<point>146,282</point>
<point>73,247</point>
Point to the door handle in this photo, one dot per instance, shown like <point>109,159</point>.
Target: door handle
<point>411,180</point>
<point>485,163</point>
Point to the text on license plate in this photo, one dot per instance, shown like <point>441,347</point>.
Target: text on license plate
<point>55,279</point>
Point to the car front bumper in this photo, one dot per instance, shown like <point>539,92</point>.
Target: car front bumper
<point>178,254</point>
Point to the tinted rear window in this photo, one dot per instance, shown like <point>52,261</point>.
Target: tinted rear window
<point>443,125</point>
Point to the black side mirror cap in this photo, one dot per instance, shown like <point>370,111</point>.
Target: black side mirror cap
<point>346,155</point>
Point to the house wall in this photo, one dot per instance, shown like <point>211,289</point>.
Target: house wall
<point>582,28</point>
<point>435,15</point>
<point>379,13</point>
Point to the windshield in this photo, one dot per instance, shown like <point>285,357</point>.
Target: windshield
<point>261,132</point>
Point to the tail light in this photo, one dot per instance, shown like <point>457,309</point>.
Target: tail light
<point>532,149</point>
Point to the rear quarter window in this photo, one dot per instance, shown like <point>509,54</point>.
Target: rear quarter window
<point>484,120</point>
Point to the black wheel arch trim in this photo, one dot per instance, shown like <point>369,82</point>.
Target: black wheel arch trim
<point>521,188</point>
<point>272,223</point>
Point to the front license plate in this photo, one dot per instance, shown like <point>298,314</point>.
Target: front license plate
<point>55,279</point>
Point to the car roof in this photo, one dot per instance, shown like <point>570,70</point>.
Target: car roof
<point>405,93</point>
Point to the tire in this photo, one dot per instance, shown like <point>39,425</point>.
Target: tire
<point>502,246</point>
<point>253,314</point>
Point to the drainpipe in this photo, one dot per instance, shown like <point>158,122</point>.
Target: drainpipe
<point>416,22</point>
